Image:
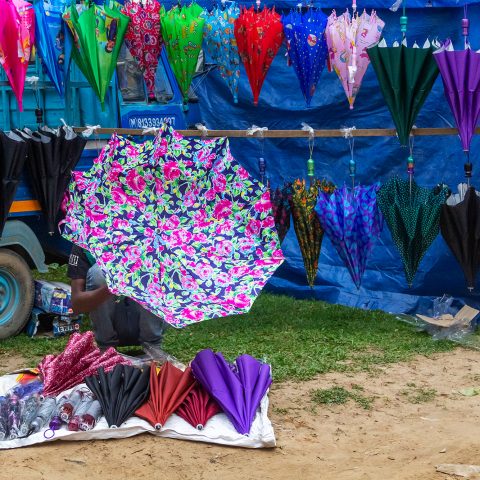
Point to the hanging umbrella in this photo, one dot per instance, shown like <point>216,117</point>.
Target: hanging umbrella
<point>13,153</point>
<point>176,224</point>
<point>183,32</point>
<point>305,221</point>
<point>98,33</point>
<point>352,221</point>
<point>221,45</point>
<point>406,76</point>
<point>168,389</point>
<point>198,408</point>
<point>52,156</point>
<point>460,227</point>
<point>52,41</point>
<point>412,214</point>
<point>347,39</point>
<point>281,199</point>
<point>144,39</point>
<point>237,388</point>
<point>259,36</point>
<point>120,391</point>
<point>79,359</point>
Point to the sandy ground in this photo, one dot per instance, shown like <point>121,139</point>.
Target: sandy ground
<point>396,439</point>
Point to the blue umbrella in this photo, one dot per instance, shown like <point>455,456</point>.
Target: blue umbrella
<point>307,47</point>
<point>53,42</point>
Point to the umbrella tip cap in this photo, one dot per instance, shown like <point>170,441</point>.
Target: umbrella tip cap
<point>199,426</point>
<point>158,426</point>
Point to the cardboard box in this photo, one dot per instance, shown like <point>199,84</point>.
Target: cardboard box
<point>50,325</point>
<point>53,297</point>
<point>464,316</point>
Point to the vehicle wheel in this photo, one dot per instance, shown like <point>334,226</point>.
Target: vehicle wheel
<point>16,293</point>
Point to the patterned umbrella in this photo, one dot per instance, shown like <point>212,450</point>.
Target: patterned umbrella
<point>221,44</point>
<point>281,199</point>
<point>307,47</point>
<point>177,225</point>
<point>183,32</point>
<point>347,40</point>
<point>259,36</point>
<point>412,214</point>
<point>353,222</point>
<point>305,221</point>
<point>144,39</point>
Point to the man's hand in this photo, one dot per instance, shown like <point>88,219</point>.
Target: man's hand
<point>85,302</point>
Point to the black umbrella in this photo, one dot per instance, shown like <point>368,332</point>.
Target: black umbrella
<point>13,151</point>
<point>460,227</point>
<point>120,391</point>
<point>52,156</point>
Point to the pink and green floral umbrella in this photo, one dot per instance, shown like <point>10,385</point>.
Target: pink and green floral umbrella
<point>177,225</point>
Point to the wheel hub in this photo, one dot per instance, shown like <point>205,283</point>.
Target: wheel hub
<point>9,296</point>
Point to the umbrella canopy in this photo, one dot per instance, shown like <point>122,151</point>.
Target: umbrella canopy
<point>52,41</point>
<point>259,36</point>
<point>460,227</point>
<point>13,154</point>
<point>120,391</point>
<point>412,214</point>
<point>79,360</point>
<point>307,47</point>
<point>281,200</point>
<point>221,44</point>
<point>52,156</point>
<point>198,408</point>
<point>237,388</point>
<point>305,221</point>
<point>98,33</point>
<point>183,33</point>
<point>406,76</point>
<point>144,39</point>
<point>169,387</point>
<point>460,71</point>
<point>353,222</point>
<point>347,39</point>
<point>176,224</point>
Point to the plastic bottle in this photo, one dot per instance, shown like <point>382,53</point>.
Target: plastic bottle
<point>44,414</point>
<point>82,408</point>
<point>70,405</point>
<point>91,416</point>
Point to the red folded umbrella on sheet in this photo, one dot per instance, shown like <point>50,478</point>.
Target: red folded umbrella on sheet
<point>198,408</point>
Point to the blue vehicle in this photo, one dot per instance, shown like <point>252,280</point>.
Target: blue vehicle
<point>25,243</point>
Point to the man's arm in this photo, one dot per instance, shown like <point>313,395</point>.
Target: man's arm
<point>85,302</point>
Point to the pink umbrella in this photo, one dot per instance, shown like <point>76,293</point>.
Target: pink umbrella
<point>347,39</point>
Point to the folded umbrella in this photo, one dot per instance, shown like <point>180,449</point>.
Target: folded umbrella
<point>198,408</point>
<point>281,199</point>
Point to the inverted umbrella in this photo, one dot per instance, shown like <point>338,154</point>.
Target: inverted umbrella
<point>412,214</point>
<point>144,39</point>
<point>221,44</point>
<point>281,199</point>
<point>120,391</point>
<point>460,227</point>
<point>259,36</point>
<point>198,408</point>
<point>168,389</point>
<point>305,221</point>
<point>13,154</point>
<point>237,388</point>
<point>307,47</point>
<point>182,30</point>
<point>347,39</point>
<point>352,222</point>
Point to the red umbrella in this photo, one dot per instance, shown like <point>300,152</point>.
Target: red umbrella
<point>168,390</point>
<point>259,36</point>
<point>198,408</point>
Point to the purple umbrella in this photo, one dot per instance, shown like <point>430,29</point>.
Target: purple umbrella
<point>352,221</point>
<point>237,388</point>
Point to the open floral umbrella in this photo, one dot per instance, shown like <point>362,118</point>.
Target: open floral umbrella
<point>259,36</point>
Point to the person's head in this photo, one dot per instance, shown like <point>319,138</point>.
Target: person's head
<point>110,46</point>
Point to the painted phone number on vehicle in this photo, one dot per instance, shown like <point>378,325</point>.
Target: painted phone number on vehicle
<point>150,122</point>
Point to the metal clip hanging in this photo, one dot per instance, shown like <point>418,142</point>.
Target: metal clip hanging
<point>311,145</point>
<point>352,165</point>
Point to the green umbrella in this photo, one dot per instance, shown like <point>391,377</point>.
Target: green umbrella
<point>412,214</point>
<point>98,33</point>
<point>406,76</point>
<point>182,30</point>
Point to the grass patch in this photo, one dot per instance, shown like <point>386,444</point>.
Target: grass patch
<point>416,394</point>
<point>340,396</point>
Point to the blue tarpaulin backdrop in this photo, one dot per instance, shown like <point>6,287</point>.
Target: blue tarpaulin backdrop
<point>438,159</point>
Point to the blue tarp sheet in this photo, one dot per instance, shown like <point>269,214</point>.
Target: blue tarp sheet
<point>438,159</point>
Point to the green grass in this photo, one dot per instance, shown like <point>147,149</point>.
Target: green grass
<point>340,395</point>
<point>300,338</point>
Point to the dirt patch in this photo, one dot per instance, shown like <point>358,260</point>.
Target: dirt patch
<point>9,362</point>
<point>415,421</point>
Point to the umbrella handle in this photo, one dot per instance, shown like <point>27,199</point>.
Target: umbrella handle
<point>468,167</point>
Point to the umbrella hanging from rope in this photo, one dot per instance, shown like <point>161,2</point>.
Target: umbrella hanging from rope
<point>307,47</point>
<point>259,36</point>
<point>221,45</point>
<point>198,408</point>
<point>281,199</point>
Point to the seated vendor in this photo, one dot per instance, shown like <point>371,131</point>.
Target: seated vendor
<point>115,322</point>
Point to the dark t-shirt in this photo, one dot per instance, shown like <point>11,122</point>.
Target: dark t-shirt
<point>78,264</point>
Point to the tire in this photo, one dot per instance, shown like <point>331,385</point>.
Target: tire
<point>16,293</point>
